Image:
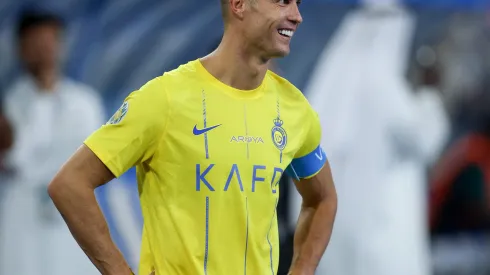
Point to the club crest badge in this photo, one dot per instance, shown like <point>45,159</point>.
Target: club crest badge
<point>120,114</point>
<point>279,136</point>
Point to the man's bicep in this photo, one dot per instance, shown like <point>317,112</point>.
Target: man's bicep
<point>316,188</point>
<point>310,157</point>
<point>84,167</point>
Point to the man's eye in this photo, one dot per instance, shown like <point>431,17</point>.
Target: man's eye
<point>287,2</point>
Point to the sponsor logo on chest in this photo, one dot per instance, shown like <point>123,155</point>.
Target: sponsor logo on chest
<point>246,139</point>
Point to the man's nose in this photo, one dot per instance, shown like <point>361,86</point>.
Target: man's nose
<point>295,14</point>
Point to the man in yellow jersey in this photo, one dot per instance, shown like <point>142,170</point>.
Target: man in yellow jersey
<point>210,141</point>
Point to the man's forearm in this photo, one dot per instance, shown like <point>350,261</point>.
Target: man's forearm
<point>312,235</point>
<point>79,208</point>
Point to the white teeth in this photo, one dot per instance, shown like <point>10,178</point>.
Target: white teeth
<point>286,33</point>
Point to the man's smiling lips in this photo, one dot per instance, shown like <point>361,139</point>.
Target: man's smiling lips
<point>286,32</point>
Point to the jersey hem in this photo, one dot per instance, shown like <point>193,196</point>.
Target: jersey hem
<point>102,156</point>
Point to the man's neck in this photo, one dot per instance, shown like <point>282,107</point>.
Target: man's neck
<point>46,79</point>
<point>235,65</point>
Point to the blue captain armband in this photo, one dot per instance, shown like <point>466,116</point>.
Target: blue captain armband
<point>307,166</point>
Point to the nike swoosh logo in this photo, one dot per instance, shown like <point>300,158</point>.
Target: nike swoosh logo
<point>198,132</point>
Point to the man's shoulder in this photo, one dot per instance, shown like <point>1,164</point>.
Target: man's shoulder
<point>173,82</point>
<point>287,89</point>
<point>182,70</point>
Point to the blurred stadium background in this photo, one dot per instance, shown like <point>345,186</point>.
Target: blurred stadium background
<point>116,46</point>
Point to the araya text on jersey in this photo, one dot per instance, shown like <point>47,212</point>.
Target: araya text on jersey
<point>258,175</point>
<point>246,139</point>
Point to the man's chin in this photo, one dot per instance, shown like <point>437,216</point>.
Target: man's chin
<point>278,53</point>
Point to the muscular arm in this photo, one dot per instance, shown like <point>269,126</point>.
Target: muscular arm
<point>72,191</point>
<point>315,221</point>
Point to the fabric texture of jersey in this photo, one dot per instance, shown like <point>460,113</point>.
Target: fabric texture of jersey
<point>209,159</point>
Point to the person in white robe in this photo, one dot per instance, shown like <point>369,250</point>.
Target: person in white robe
<point>379,137</point>
<point>50,115</point>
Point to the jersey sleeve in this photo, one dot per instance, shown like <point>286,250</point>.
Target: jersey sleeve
<point>310,158</point>
<point>132,134</point>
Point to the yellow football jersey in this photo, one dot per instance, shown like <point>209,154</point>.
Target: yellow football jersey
<point>209,158</point>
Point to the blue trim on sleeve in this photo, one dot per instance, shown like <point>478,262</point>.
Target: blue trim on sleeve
<point>308,165</point>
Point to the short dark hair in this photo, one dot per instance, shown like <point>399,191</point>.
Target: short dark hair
<point>224,8</point>
<point>30,18</point>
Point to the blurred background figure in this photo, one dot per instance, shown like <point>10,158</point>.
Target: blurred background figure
<point>460,183</point>
<point>380,137</point>
<point>50,116</point>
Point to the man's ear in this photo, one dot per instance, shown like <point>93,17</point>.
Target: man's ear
<point>238,7</point>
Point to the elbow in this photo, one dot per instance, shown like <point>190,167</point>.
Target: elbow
<point>328,204</point>
<point>333,195</point>
<point>67,186</point>
<point>55,189</point>
<point>334,201</point>
<point>330,199</point>
<point>61,188</point>
<point>321,200</point>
